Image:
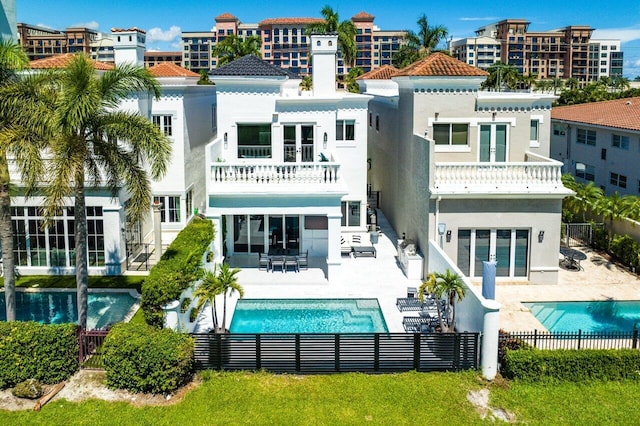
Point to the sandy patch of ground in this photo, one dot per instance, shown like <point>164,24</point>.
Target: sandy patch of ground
<point>480,400</point>
<point>87,384</point>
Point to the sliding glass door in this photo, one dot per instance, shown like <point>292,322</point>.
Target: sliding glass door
<point>508,247</point>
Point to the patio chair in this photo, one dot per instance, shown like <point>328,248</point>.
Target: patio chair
<point>264,263</point>
<point>303,260</point>
<point>355,239</point>
<point>345,249</point>
<point>277,262</point>
<point>291,262</point>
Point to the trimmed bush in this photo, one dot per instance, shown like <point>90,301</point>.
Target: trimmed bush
<point>140,358</point>
<point>509,344</point>
<point>572,365</point>
<point>178,267</point>
<point>600,239</point>
<point>625,249</point>
<point>28,350</point>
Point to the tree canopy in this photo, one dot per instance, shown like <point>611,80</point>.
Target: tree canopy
<point>346,31</point>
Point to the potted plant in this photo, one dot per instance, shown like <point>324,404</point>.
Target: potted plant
<point>447,285</point>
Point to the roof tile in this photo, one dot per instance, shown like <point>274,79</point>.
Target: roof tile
<point>619,113</point>
<point>250,65</point>
<point>363,16</point>
<point>385,72</point>
<point>169,69</point>
<point>61,61</point>
<point>439,64</point>
<point>289,21</point>
<point>226,17</point>
<point>127,30</point>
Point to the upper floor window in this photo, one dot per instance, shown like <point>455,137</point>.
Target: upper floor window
<point>170,209</point>
<point>618,141</point>
<point>254,140</point>
<point>585,171</point>
<point>345,130</point>
<point>163,122</point>
<point>618,180</point>
<point>586,137</point>
<point>558,130</point>
<point>377,122</point>
<point>533,132</point>
<point>451,134</point>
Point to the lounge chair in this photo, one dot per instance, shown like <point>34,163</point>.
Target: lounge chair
<point>408,304</point>
<point>264,263</point>
<point>291,262</point>
<point>303,260</point>
<point>277,262</point>
<point>345,249</point>
<point>416,324</point>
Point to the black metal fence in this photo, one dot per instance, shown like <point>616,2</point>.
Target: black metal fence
<point>332,353</point>
<point>90,348</point>
<point>575,339</point>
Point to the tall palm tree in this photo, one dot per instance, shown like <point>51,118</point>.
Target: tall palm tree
<point>228,282</point>
<point>572,83</point>
<point>421,44</point>
<point>450,285</point>
<point>234,47</point>
<point>586,198</point>
<point>346,31</point>
<point>350,79</point>
<point>23,113</point>
<point>502,75</point>
<point>621,83</point>
<point>97,144</point>
<point>207,291</point>
<point>615,207</point>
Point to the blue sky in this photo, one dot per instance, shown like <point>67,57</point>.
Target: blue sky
<point>164,20</point>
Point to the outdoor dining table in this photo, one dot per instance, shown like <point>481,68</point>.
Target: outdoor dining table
<point>572,257</point>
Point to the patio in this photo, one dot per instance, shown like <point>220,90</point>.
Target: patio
<point>360,277</point>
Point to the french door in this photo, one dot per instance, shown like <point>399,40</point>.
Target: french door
<point>508,247</point>
<point>493,143</point>
<point>298,143</point>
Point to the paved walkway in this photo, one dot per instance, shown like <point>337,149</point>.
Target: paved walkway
<point>599,279</point>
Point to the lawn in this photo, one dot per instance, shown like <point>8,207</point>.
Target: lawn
<point>69,281</point>
<point>353,399</point>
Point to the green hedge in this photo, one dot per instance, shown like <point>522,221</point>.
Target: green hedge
<point>178,267</point>
<point>572,365</point>
<point>28,350</point>
<point>140,358</point>
<point>625,249</point>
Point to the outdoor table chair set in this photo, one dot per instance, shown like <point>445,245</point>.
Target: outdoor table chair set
<point>284,263</point>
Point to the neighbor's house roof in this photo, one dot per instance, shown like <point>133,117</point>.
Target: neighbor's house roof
<point>127,30</point>
<point>250,66</point>
<point>289,21</point>
<point>362,16</point>
<point>385,72</point>
<point>226,17</point>
<point>440,65</point>
<point>61,61</point>
<point>169,69</point>
<point>619,113</point>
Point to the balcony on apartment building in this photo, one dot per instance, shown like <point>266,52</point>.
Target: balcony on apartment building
<point>535,175</point>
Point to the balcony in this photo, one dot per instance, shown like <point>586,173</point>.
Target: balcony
<point>536,175</point>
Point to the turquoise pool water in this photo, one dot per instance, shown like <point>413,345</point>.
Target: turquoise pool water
<point>58,307</point>
<point>587,316</point>
<point>308,316</point>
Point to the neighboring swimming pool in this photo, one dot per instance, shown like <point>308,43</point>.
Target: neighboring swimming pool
<point>587,316</point>
<point>58,307</point>
<point>308,316</point>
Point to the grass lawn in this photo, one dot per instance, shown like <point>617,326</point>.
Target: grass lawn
<point>69,281</point>
<point>354,399</point>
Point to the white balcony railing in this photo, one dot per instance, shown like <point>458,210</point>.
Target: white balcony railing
<point>510,177</point>
<point>325,173</point>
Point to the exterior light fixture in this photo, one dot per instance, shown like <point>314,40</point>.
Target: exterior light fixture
<point>225,141</point>
<point>442,227</point>
<point>540,236</point>
<point>324,140</point>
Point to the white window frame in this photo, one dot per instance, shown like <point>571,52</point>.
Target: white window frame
<point>343,123</point>
<point>587,133</point>
<point>622,141</point>
<point>164,122</point>
<point>165,212</point>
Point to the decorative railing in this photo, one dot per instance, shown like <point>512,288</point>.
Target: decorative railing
<point>276,173</point>
<point>510,176</point>
<point>254,151</point>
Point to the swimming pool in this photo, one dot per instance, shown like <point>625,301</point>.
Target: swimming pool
<point>587,316</point>
<point>308,316</point>
<point>58,307</point>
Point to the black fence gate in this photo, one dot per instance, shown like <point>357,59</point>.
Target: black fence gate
<point>90,348</point>
<point>331,353</point>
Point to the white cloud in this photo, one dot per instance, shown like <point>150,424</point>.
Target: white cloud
<point>177,45</point>
<point>475,18</point>
<point>636,64</point>
<point>45,26</point>
<point>91,25</point>
<point>623,34</point>
<point>157,34</point>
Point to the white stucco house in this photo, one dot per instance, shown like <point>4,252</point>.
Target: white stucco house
<point>287,170</point>
<point>466,168</point>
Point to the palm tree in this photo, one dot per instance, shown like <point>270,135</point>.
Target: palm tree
<point>572,83</point>
<point>228,282</point>
<point>451,286</point>
<point>556,83</point>
<point>615,207</point>
<point>207,291</point>
<point>346,31</point>
<point>586,197</point>
<point>350,79</point>
<point>23,113</point>
<point>421,44</point>
<point>306,83</point>
<point>96,144</point>
<point>501,75</point>
<point>234,47</point>
<point>621,83</point>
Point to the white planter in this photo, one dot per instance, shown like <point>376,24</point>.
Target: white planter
<point>411,264</point>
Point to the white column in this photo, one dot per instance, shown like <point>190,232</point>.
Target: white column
<point>157,230</point>
<point>334,259</point>
<point>217,239</point>
<point>489,351</point>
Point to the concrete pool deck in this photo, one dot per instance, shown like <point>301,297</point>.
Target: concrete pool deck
<point>382,278</point>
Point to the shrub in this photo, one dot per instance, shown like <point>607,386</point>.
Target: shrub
<point>30,389</point>
<point>193,314</point>
<point>140,358</point>
<point>600,239</point>
<point>625,249</point>
<point>28,350</point>
<point>572,365</point>
<point>508,343</point>
<point>178,267</point>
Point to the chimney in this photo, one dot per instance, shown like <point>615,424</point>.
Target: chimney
<point>324,48</point>
<point>129,45</point>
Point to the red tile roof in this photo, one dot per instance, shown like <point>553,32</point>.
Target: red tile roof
<point>439,64</point>
<point>127,30</point>
<point>363,16</point>
<point>619,113</point>
<point>162,53</point>
<point>385,72</point>
<point>290,21</point>
<point>169,69</point>
<point>61,61</point>
<point>226,17</point>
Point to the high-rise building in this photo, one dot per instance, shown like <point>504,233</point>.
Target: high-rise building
<point>567,52</point>
<point>39,42</point>
<point>8,19</point>
<point>152,58</point>
<point>284,43</point>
